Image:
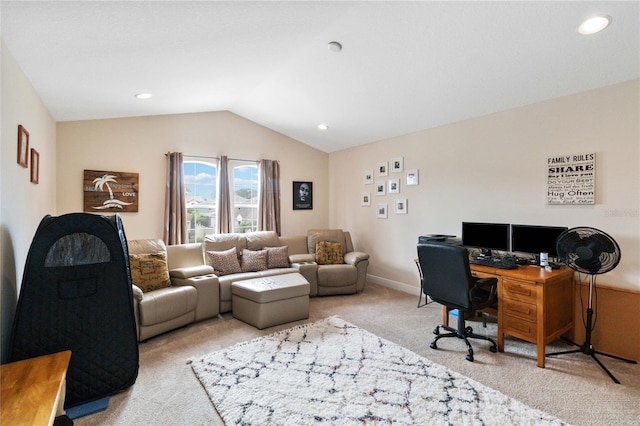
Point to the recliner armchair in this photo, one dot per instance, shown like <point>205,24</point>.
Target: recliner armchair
<point>446,279</point>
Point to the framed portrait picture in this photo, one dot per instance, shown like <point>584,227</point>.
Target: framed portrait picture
<point>396,164</point>
<point>383,169</point>
<point>366,199</point>
<point>380,188</point>
<point>368,177</point>
<point>35,166</point>
<point>394,186</point>
<point>381,211</point>
<point>400,206</point>
<point>302,195</point>
<point>23,146</point>
<point>412,177</point>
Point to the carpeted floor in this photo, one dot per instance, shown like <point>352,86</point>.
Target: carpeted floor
<point>572,388</point>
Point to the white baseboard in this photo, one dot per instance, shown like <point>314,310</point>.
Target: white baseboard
<point>396,285</point>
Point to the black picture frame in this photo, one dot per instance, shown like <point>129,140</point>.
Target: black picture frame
<point>302,201</point>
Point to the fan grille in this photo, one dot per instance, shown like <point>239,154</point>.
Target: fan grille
<point>588,250</point>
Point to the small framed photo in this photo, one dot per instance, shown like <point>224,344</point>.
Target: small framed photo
<point>394,186</point>
<point>397,164</point>
<point>381,211</point>
<point>412,177</point>
<point>401,205</point>
<point>35,166</point>
<point>368,177</point>
<point>302,195</point>
<point>380,188</point>
<point>366,199</point>
<point>383,169</point>
<point>23,146</point>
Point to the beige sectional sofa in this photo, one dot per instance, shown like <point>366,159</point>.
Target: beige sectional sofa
<point>201,278</point>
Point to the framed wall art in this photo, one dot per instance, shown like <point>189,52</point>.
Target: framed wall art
<point>412,177</point>
<point>380,188</point>
<point>366,199</point>
<point>397,164</point>
<point>23,146</point>
<point>383,169</point>
<point>394,186</point>
<point>35,166</point>
<point>381,211</point>
<point>368,177</point>
<point>401,206</point>
<point>302,195</point>
<point>110,191</point>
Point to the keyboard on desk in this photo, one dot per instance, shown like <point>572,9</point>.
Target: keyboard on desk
<point>494,262</point>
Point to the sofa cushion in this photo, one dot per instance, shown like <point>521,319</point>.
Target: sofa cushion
<point>328,253</point>
<point>260,239</point>
<point>224,262</point>
<point>221,242</point>
<point>149,271</point>
<point>277,257</point>
<point>191,271</point>
<point>254,260</point>
<point>330,235</point>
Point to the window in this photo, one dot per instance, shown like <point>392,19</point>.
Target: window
<point>200,181</point>
<point>201,187</point>
<point>244,184</point>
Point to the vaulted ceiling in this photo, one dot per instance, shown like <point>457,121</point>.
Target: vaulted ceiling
<point>404,66</point>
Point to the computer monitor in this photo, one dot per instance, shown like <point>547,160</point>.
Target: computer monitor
<point>486,236</point>
<point>535,239</point>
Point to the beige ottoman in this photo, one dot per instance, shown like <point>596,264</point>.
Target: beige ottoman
<point>268,301</point>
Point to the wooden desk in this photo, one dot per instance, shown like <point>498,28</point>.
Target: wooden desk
<point>33,390</point>
<point>533,304</point>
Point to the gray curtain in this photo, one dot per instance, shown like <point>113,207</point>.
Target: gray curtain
<point>224,199</point>
<point>175,207</point>
<point>269,205</point>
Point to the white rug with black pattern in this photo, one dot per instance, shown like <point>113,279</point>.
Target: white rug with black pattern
<point>332,372</point>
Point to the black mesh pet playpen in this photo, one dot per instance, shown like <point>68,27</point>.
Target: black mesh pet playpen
<point>76,295</point>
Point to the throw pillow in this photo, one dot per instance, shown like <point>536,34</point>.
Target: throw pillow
<point>254,260</point>
<point>277,257</point>
<point>224,262</point>
<point>149,271</point>
<point>328,253</point>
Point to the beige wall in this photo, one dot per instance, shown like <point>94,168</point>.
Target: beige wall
<point>22,203</point>
<point>493,168</point>
<point>138,145</point>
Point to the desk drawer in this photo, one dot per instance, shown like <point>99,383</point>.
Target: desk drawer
<point>519,328</point>
<point>519,290</point>
<point>515,308</point>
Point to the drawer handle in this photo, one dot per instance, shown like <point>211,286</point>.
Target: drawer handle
<point>522,310</point>
<point>522,291</point>
<point>521,327</point>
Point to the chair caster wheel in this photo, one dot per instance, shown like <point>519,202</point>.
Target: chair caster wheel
<point>436,331</point>
<point>493,349</point>
<point>433,345</point>
<point>469,358</point>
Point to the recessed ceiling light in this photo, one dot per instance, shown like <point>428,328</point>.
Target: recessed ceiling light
<point>322,126</point>
<point>143,95</point>
<point>334,46</point>
<point>594,24</point>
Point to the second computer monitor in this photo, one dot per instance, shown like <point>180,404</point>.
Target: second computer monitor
<point>535,239</point>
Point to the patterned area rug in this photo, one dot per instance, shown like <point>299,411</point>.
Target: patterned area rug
<point>333,372</point>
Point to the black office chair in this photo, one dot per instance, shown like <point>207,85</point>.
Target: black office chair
<point>447,279</point>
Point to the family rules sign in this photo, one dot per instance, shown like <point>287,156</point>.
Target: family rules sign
<point>571,179</point>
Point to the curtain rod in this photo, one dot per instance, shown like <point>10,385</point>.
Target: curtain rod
<point>217,158</point>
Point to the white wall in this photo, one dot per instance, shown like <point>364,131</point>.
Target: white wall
<point>22,203</point>
<point>138,145</point>
<point>493,169</point>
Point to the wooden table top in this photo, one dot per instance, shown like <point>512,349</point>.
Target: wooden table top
<point>32,389</point>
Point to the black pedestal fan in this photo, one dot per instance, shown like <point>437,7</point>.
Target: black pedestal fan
<point>592,252</point>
